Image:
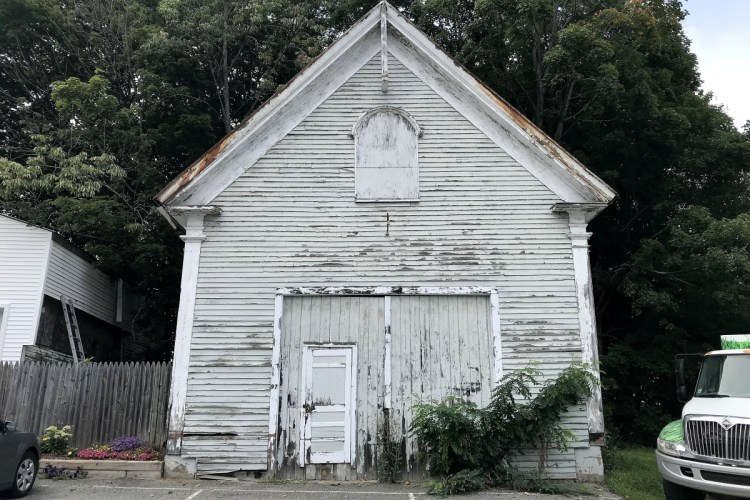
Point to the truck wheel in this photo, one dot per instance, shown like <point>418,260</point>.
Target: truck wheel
<point>677,492</point>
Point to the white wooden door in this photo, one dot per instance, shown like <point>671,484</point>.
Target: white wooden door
<point>328,410</point>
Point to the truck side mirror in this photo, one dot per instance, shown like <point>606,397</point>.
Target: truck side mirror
<point>681,375</point>
<point>682,394</point>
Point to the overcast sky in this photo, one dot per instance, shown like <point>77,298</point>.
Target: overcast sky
<point>720,34</point>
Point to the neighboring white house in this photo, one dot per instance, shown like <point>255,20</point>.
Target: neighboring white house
<point>37,267</point>
<point>384,229</point>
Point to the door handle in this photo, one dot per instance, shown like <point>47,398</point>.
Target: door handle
<point>308,407</point>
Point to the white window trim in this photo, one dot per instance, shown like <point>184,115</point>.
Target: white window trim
<point>357,128</point>
<point>350,432</point>
<point>5,307</point>
<point>378,291</point>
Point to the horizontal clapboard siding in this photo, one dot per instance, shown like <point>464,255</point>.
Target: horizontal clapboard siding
<point>92,290</point>
<point>23,256</point>
<point>291,220</point>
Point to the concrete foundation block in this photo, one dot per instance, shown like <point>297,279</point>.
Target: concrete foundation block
<point>177,467</point>
<point>589,464</point>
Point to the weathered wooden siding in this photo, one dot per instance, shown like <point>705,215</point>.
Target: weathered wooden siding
<point>349,320</point>
<point>440,346</point>
<point>23,258</point>
<point>101,401</point>
<point>92,290</point>
<point>291,220</point>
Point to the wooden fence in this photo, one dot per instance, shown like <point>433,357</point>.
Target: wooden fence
<point>101,401</point>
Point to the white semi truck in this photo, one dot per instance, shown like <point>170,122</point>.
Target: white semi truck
<point>708,450</point>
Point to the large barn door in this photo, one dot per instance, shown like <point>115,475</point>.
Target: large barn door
<point>329,397</point>
<point>441,345</point>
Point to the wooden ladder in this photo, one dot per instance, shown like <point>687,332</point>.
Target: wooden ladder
<point>74,332</point>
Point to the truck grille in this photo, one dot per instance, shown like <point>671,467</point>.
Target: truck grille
<point>707,437</point>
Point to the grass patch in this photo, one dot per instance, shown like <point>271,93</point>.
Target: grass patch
<point>632,473</point>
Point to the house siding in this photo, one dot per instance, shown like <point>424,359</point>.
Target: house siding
<point>92,290</point>
<point>291,220</point>
<point>23,257</point>
<point>356,321</point>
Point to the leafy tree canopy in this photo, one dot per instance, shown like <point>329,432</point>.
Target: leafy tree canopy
<point>102,103</point>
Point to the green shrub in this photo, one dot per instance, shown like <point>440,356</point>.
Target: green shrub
<point>390,453</point>
<point>468,447</point>
<point>56,441</point>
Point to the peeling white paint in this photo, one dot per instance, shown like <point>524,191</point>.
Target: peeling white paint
<point>193,239</point>
<point>579,237</point>
<point>290,230</point>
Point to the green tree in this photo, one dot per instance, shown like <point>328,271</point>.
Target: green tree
<point>102,103</point>
<point>90,177</point>
<point>615,83</point>
<point>242,49</point>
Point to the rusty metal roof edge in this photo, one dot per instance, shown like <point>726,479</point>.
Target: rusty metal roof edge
<point>529,129</point>
<point>199,166</point>
<point>525,127</point>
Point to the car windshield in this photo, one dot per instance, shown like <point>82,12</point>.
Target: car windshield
<point>724,376</point>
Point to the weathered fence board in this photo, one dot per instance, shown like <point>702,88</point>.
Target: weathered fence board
<point>101,401</point>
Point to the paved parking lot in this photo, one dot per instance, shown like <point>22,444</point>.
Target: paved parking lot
<point>252,490</point>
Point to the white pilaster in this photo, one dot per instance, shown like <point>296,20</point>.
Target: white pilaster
<point>193,239</point>
<point>587,318</point>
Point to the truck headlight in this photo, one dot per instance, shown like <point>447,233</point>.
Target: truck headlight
<point>670,447</point>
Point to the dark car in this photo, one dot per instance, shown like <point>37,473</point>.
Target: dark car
<point>19,460</point>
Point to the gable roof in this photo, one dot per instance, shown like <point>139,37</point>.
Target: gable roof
<point>213,172</point>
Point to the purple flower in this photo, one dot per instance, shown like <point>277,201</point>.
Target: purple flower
<point>126,443</point>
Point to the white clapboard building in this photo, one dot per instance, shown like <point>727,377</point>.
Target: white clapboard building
<point>384,229</point>
<point>38,268</point>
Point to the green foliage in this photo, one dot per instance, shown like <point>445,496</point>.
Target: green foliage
<point>469,447</point>
<point>535,482</point>
<point>104,102</point>
<point>61,473</point>
<point>390,458</point>
<point>632,473</point>
<point>733,344</point>
<point>463,481</point>
<point>687,287</point>
<point>56,441</point>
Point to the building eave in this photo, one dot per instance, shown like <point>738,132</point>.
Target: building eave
<point>195,179</point>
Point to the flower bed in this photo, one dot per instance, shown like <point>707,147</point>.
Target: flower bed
<point>132,469</point>
<point>126,456</point>
<point>122,448</point>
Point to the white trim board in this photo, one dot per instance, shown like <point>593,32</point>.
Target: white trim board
<point>278,116</point>
<point>5,307</point>
<point>387,292</point>
<point>550,163</point>
<point>42,287</point>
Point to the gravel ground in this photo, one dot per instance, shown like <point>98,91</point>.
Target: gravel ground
<point>252,490</point>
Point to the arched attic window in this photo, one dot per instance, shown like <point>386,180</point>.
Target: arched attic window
<point>386,158</point>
